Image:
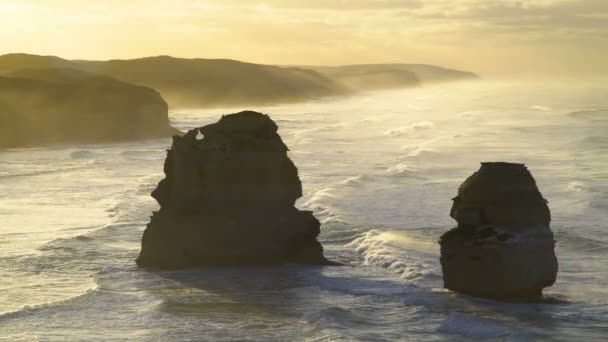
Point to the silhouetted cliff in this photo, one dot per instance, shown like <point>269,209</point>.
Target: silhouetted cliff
<point>199,83</point>
<point>39,106</point>
<point>17,61</point>
<point>387,76</point>
<point>364,78</point>
<point>218,82</point>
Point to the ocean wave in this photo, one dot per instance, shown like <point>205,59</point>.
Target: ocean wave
<point>321,209</point>
<point>145,185</point>
<point>598,114</point>
<point>360,282</point>
<point>472,326</point>
<point>423,148</point>
<point>293,121</point>
<point>577,186</point>
<point>355,181</point>
<point>332,219</point>
<point>319,196</point>
<point>302,141</point>
<point>541,108</point>
<point>339,233</point>
<point>580,243</point>
<point>596,141</point>
<point>86,252</point>
<point>114,208</point>
<point>417,126</point>
<point>413,151</point>
<point>335,317</point>
<point>147,155</point>
<point>82,154</point>
<point>78,167</point>
<point>135,204</point>
<point>28,309</point>
<point>63,243</point>
<point>473,114</point>
<point>386,249</point>
<point>402,169</point>
<point>306,131</point>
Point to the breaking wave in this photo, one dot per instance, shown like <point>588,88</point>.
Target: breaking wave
<point>355,181</point>
<point>27,309</point>
<point>600,114</point>
<point>389,250</point>
<point>418,126</point>
<point>577,186</point>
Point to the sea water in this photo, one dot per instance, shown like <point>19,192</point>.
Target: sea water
<point>379,170</point>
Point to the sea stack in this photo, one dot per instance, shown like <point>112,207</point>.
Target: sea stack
<point>228,199</point>
<point>503,246</point>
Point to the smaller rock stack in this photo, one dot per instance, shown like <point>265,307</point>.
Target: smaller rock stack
<point>503,246</point>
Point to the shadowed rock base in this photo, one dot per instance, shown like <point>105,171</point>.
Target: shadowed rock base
<point>503,247</point>
<point>228,200</point>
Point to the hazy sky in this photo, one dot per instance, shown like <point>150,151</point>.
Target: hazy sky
<point>492,37</point>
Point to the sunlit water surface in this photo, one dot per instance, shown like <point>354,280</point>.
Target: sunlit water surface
<point>379,171</point>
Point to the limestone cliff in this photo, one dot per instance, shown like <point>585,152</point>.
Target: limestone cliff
<point>202,82</point>
<point>503,246</point>
<point>228,200</point>
<point>40,106</point>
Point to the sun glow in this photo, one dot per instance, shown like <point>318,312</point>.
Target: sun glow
<point>492,38</point>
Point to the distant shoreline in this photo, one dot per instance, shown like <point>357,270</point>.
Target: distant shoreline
<point>48,99</point>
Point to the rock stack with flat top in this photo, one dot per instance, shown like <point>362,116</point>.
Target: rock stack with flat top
<point>228,199</point>
<point>503,246</point>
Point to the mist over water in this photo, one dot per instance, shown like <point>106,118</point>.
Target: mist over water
<point>379,171</point>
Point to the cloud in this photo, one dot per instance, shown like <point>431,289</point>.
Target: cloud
<point>481,35</point>
<point>335,4</point>
<point>556,14</point>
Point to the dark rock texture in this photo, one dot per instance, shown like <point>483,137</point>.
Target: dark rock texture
<point>503,247</point>
<point>228,200</point>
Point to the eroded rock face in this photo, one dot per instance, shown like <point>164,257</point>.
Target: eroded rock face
<point>503,246</point>
<point>49,106</point>
<point>228,200</point>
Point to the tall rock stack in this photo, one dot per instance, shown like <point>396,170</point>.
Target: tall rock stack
<point>228,200</point>
<point>503,246</point>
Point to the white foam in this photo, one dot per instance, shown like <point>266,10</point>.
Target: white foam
<point>355,181</point>
<point>318,203</point>
<point>315,201</point>
<point>417,126</point>
<point>387,249</point>
<point>577,186</point>
<point>402,169</point>
<point>541,108</point>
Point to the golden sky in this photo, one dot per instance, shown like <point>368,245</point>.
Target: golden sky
<point>491,37</point>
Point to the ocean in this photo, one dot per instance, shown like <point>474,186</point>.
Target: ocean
<point>378,169</point>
